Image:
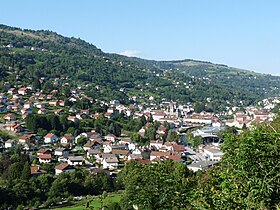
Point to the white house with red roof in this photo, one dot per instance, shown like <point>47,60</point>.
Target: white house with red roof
<point>50,138</point>
<point>111,137</point>
<point>10,117</point>
<point>67,140</point>
<point>110,162</point>
<point>159,116</point>
<point>45,158</point>
<point>22,91</point>
<point>63,167</point>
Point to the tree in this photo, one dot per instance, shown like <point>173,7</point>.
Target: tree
<point>14,171</point>
<point>172,136</point>
<point>248,175</point>
<point>199,107</point>
<point>36,84</point>
<point>150,132</point>
<point>81,141</point>
<point>161,185</point>
<point>25,174</point>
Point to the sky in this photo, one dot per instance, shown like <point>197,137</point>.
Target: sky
<point>239,33</point>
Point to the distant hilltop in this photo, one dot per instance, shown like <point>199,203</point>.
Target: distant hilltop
<point>28,55</point>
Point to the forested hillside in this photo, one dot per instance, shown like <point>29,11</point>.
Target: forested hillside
<point>27,56</point>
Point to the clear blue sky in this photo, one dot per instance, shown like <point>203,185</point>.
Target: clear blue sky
<point>239,33</point>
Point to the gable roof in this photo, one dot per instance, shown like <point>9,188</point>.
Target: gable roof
<point>63,166</point>
<point>49,135</point>
<point>179,148</point>
<point>120,152</point>
<point>43,151</point>
<point>45,156</point>
<point>37,170</point>
<point>111,160</point>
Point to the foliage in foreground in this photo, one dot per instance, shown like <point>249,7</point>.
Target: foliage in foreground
<point>248,177</point>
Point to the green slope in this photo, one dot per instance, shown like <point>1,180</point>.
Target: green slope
<point>74,61</point>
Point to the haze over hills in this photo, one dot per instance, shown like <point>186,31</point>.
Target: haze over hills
<point>27,56</point>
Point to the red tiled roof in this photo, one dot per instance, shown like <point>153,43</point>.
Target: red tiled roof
<point>143,161</point>
<point>179,148</point>
<point>49,135</point>
<point>36,170</point>
<point>120,152</point>
<point>45,156</point>
<point>62,166</point>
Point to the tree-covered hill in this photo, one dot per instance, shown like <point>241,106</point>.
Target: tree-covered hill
<point>27,56</point>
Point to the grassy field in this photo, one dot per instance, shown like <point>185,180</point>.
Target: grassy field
<point>95,202</point>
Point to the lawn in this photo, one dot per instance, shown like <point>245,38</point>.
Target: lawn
<point>95,202</point>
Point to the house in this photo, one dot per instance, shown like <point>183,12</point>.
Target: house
<point>91,145</point>
<point>16,107</point>
<point>72,118</point>
<point>122,154</point>
<point>10,117</point>
<point>110,162</point>
<point>43,151</point>
<point>22,91</point>
<point>161,130</point>
<point>61,103</point>
<point>40,105</point>
<point>111,137</point>
<point>45,158</point>
<point>159,116</point>
<point>50,138</point>
<point>28,105</point>
<point>89,135</point>
<point>142,160</point>
<point>67,140</point>
<point>101,156</point>
<point>42,97</point>
<point>61,152</point>
<point>85,112</point>
<point>75,160</point>
<point>62,168</point>
<point>42,111</point>
<point>134,156</point>
<point>58,111</point>
<point>179,149</point>
<point>14,127</point>
<point>26,110</point>
<point>49,97</point>
<point>54,102</point>
<point>107,147</point>
<point>12,91</point>
<point>212,153</point>
<point>93,153</point>
<point>29,87</point>
<point>164,155</point>
<point>17,97</point>
<point>156,144</point>
<point>27,139</point>
<point>10,143</point>
<point>201,165</point>
<point>36,170</point>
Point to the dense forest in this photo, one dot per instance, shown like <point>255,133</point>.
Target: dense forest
<point>27,57</point>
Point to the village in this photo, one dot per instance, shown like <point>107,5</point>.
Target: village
<point>110,152</point>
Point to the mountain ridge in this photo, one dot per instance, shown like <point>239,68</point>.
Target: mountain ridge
<point>184,80</point>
